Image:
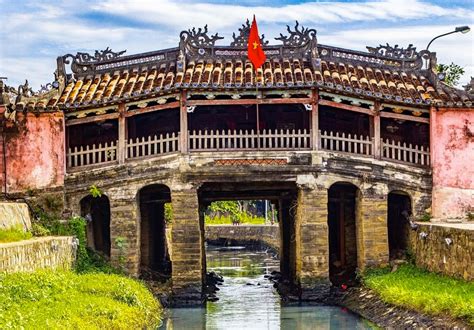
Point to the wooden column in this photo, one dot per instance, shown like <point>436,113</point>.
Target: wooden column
<point>314,120</point>
<point>183,123</point>
<point>122,135</point>
<point>376,131</point>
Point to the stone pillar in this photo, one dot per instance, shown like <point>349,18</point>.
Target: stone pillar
<point>312,263</point>
<point>187,253</point>
<point>371,226</point>
<point>124,230</point>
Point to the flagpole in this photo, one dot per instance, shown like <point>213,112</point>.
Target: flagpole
<point>258,113</point>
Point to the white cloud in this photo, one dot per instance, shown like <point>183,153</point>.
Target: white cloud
<point>33,36</point>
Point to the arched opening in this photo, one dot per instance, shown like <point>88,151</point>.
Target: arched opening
<point>97,211</point>
<point>342,200</point>
<point>399,212</point>
<point>155,260</point>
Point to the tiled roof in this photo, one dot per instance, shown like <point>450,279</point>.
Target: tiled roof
<point>385,73</point>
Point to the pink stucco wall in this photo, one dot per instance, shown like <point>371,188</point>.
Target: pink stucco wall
<point>452,152</point>
<point>35,153</point>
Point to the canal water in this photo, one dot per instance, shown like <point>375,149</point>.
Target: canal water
<point>247,300</point>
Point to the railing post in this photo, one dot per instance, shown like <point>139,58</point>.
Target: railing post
<point>314,120</point>
<point>122,134</point>
<point>183,123</point>
<point>376,130</point>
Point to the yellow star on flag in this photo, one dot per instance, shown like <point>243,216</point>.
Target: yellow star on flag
<point>255,45</point>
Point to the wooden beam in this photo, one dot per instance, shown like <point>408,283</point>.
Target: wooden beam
<point>346,107</point>
<point>157,107</point>
<point>122,134</point>
<point>301,100</point>
<point>404,117</point>
<point>91,119</point>
<point>376,134</point>
<point>314,120</point>
<point>183,123</point>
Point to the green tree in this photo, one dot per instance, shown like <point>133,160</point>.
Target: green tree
<point>452,72</point>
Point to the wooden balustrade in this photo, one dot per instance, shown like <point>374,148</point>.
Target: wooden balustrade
<point>234,140</point>
<point>153,145</point>
<point>350,143</point>
<point>95,154</point>
<point>277,139</point>
<point>402,152</point>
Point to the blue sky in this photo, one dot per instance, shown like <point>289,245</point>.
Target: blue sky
<point>34,33</point>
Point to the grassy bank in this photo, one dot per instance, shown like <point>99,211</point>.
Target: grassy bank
<point>423,291</point>
<point>66,300</point>
<point>244,218</point>
<point>14,234</point>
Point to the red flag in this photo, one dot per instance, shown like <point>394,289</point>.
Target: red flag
<point>255,51</point>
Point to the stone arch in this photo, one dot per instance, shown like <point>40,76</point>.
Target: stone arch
<point>96,210</point>
<point>342,231</point>
<point>399,210</point>
<point>154,246</point>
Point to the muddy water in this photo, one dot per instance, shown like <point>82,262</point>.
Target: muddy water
<point>247,300</point>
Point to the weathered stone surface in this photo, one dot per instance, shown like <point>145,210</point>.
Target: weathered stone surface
<point>312,248</point>
<point>445,250</point>
<point>187,242</point>
<point>14,214</point>
<point>37,253</point>
<point>371,226</point>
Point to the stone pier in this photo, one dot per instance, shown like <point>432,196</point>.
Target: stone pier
<point>187,248</point>
<point>312,261</point>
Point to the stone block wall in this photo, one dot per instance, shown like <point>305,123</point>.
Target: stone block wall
<point>37,253</point>
<point>312,263</point>
<point>265,233</point>
<point>14,214</point>
<point>444,249</point>
<point>372,237</point>
<point>187,248</point>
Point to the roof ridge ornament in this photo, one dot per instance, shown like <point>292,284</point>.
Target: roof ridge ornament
<point>81,61</point>
<point>242,39</point>
<point>408,53</point>
<point>298,37</point>
<point>199,38</point>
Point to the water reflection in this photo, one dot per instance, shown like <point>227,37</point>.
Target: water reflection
<point>248,301</point>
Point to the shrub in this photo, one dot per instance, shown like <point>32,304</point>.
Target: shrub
<point>66,300</point>
<point>14,234</point>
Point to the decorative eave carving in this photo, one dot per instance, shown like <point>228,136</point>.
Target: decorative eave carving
<point>84,61</point>
<point>242,39</point>
<point>469,88</point>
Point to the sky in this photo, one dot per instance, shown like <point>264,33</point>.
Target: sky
<point>34,33</point>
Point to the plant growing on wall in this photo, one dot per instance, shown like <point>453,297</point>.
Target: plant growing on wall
<point>452,73</point>
<point>94,191</point>
<point>121,244</point>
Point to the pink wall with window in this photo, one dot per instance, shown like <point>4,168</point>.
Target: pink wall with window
<point>452,152</point>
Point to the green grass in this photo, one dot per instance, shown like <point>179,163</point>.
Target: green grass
<point>244,218</point>
<point>66,300</point>
<point>421,290</point>
<point>14,234</point>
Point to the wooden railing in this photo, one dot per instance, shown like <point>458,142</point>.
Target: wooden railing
<point>94,154</point>
<point>153,145</point>
<point>249,140</point>
<point>246,140</point>
<point>402,152</point>
<point>342,142</point>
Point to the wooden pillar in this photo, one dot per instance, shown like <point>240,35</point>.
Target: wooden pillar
<point>122,135</point>
<point>377,152</point>
<point>314,120</point>
<point>183,123</point>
